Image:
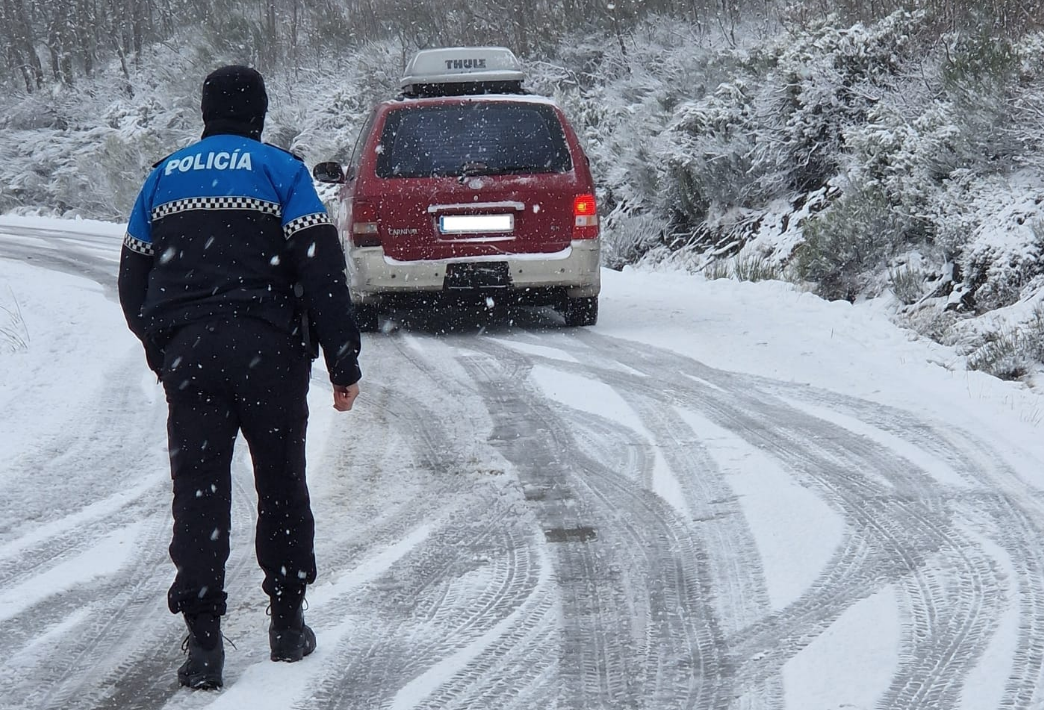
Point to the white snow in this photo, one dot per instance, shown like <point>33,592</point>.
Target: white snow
<point>540,350</point>
<point>769,330</point>
<point>850,665</point>
<point>72,329</point>
<point>100,560</point>
<point>596,398</point>
<point>421,687</point>
<point>796,532</point>
<point>985,687</point>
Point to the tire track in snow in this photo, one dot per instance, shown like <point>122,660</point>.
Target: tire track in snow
<point>649,367</point>
<point>906,525</point>
<point>508,371</point>
<point>145,678</point>
<point>514,670</point>
<point>416,460</point>
<point>65,251</point>
<point>1020,537</point>
<point>337,550</point>
<point>661,584</point>
<point>152,664</point>
<point>98,476</point>
<point>75,262</point>
<point>729,552</point>
<point>642,391</point>
<point>470,667</point>
<point>117,609</point>
<point>600,438</point>
<point>100,451</point>
<point>1015,511</point>
<point>127,654</point>
<point>464,580</point>
<point>65,643</point>
<point>732,554</point>
<point>550,491</point>
<point>127,647</point>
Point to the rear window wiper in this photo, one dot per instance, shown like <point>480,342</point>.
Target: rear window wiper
<point>472,169</point>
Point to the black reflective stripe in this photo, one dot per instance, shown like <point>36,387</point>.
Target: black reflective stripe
<point>216,203</point>
<point>137,246</point>
<point>309,220</point>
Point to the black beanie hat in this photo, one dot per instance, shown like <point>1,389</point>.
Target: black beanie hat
<point>234,101</point>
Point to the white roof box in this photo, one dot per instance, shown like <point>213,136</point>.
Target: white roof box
<point>460,65</point>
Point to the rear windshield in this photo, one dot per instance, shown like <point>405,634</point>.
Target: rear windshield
<point>481,138</point>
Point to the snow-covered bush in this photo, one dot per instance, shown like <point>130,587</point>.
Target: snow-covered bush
<point>1026,122</point>
<point>907,283</point>
<point>1003,260</point>
<point>94,173</point>
<point>980,75</point>
<point>87,152</point>
<point>620,105</point>
<point>919,142</point>
<point>318,115</point>
<point>629,236</point>
<point>847,243</point>
<point>99,141</point>
<point>822,83</point>
<point>756,267</point>
<point>777,127</point>
<point>774,128</point>
<point>708,150</point>
<point>1011,352</point>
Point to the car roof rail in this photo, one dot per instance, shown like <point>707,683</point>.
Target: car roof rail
<point>465,88</point>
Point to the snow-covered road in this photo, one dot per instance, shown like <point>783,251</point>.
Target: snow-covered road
<point>723,496</point>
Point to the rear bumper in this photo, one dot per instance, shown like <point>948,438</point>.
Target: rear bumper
<point>574,271</point>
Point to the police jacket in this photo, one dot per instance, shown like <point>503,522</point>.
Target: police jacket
<point>232,227</point>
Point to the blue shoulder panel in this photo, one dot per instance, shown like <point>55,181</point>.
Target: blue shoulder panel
<point>229,172</point>
<point>139,226</point>
<point>302,207</point>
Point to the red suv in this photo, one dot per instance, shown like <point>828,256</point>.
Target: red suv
<point>466,186</point>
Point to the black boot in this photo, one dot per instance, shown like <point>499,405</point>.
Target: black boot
<point>288,636</point>
<point>206,655</point>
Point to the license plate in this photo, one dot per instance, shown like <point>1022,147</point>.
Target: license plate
<point>477,275</point>
<point>476,223</point>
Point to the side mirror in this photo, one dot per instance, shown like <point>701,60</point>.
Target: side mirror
<point>328,172</point>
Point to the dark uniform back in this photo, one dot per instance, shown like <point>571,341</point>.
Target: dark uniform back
<point>229,226</point>
<point>228,251</point>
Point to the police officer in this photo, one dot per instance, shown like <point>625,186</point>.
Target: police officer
<point>229,270</point>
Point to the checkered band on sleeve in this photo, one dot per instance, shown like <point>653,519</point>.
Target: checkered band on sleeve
<point>216,203</point>
<point>137,246</point>
<point>309,220</point>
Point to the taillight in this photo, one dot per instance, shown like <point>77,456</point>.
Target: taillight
<point>585,217</point>
<point>364,230</point>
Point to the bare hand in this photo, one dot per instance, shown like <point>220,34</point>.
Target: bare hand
<point>344,397</point>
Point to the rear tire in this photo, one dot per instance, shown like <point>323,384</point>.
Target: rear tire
<point>581,311</point>
<point>366,318</point>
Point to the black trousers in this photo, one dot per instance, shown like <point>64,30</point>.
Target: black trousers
<point>222,377</point>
